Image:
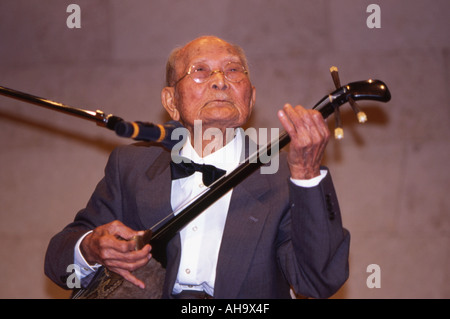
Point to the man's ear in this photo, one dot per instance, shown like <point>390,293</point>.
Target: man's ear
<point>168,101</point>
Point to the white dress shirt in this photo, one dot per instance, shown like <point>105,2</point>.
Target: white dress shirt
<point>201,238</point>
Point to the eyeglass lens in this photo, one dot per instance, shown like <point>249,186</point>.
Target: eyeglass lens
<point>233,71</point>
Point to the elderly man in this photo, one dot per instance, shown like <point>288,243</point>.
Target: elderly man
<point>271,233</point>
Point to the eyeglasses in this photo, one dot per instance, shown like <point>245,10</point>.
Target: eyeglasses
<point>201,72</point>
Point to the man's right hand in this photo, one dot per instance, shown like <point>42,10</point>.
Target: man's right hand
<point>110,246</point>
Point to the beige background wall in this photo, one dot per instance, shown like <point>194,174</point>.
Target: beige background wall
<point>391,174</point>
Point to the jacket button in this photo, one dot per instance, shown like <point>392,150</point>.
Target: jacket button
<point>331,215</point>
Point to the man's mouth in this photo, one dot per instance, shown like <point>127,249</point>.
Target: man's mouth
<point>218,101</point>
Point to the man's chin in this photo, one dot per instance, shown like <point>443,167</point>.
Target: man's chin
<point>220,122</point>
<point>219,114</point>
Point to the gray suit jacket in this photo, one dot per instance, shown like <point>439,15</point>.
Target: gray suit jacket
<point>277,235</point>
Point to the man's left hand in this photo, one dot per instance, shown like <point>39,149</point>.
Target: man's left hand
<point>309,135</point>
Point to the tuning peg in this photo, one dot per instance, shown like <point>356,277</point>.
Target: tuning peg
<point>362,117</point>
<point>338,131</point>
<point>335,75</point>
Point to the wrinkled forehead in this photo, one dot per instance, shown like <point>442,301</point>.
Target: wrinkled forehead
<point>209,50</point>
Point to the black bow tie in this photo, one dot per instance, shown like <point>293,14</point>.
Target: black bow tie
<point>210,172</point>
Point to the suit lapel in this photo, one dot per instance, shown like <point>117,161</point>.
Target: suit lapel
<point>154,194</point>
<point>245,221</point>
<point>153,202</point>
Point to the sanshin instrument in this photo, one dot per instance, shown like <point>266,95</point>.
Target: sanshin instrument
<point>106,284</point>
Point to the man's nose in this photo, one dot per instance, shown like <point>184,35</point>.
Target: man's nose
<point>218,80</point>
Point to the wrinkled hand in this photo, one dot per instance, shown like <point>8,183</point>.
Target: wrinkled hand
<point>309,136</point>
<point>106,246</point>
